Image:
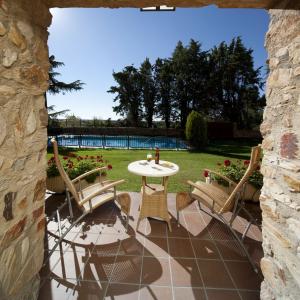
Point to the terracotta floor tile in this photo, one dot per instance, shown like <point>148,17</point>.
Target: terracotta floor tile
<point>156,228</point>
<point>178,231</point>
<point>132,246</point>
<point>193,207</point>
<point>51,290</point>
<point>70,265</point>
<point>127,269</point>
<point>181,248</point>
<point>51,263</point>
<point>117,226</point>
<point>218,231</point>
<point>156,271</point>
<point>155,246</point>
<point>122,292</point>
<point>214,274</point>
<point>98,267</point>
<point>196,226</point>
<point>86,239</point>
<point>244,275</point>
<point>92,290</point>
<point>107,244</point>
<point>190,293</point>
<point>185,273</point>
<point>231,250</point>
<point>143,264</point>
<point>222,295</point>
<point>149,292</point>
<point>205,249</point>
<point>250,295</point>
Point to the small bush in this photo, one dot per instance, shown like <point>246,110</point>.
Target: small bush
<point>196,129</point>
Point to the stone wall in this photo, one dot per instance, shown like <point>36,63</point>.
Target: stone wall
<point>23,135</point>
<point>280,200</point>
<point>267,4</point>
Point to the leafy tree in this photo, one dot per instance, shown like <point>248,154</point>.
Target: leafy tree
<point>148,90</point>
<point>164,81</point>
<point>129,94</point>
<point>72,121</point>
<point>52,115</point>
<point>237,83</point>
<point>56,86</point>
<point>191,73</point>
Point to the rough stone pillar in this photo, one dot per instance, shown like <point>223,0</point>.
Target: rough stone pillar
<point>23,118</point>
<point>280,200</point>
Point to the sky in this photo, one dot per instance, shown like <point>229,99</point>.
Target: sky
<point>93,43</point>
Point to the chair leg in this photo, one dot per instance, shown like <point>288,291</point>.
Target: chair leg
<point>178,221</point>
<point>169,225</point>
<point>138,224</point>
<point>240,243</point>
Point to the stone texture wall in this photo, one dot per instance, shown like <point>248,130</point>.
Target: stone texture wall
<point>267,4</point>
<point>23,119</point>
<point>280,200</point>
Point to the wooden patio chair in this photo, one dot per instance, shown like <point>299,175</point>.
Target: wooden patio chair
<point>88,198</point>
<point>219,202</point>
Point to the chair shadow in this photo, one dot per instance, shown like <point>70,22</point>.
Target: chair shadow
<point>101,264</point>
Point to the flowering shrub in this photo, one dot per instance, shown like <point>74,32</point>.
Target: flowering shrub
<point>235,172</point>
<point>75,165</point>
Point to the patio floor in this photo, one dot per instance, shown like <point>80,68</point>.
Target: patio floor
<point>197,260</point>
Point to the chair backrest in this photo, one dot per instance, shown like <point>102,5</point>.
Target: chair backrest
<point>254,161</point>
<point>63,173</point>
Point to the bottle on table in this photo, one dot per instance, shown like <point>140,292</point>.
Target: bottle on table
<point>157,156</point>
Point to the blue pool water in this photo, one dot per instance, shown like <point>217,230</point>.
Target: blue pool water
<point>129,142</point>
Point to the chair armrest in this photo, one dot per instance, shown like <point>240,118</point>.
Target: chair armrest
<point>100,191</point>
<point>222,176</point>
<point>88,173</point>
<point>198,187</point>
<point>211,196</point>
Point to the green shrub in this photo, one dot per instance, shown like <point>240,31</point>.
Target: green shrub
<point>196,129</point>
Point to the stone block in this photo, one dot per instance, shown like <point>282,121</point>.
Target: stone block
<point>43,117</point>
<point>41,225</point>
<point>280,77</point>
<point>292,182</point>
<point>297,72</point>
<point>22,205</point>
<point>273,274</point>
<point>13,233</point>
<point>9,57</point>
<point>35,76</point>
<point>3,30</point>
<point>289,145</point>
<point>31,123</point>
<point>37,213</point>
<point>17,38</point>
<point>3,131</point>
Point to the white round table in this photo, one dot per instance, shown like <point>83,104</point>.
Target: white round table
<point>150,169</point>
<point>154,196</point>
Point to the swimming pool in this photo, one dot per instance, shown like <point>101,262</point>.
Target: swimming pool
<point>129,142</point>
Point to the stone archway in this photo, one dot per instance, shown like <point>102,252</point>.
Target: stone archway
<point>23,120</point>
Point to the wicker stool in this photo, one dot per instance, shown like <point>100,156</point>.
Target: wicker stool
<point>154,203</point>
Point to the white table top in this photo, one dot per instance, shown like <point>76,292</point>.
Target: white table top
<point>150,169</point>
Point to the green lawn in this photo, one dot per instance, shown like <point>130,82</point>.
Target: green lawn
<point>191,163</point>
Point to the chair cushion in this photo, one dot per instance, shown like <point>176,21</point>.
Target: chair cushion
<point>208,193</point>
<point>98,200</point>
